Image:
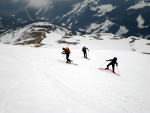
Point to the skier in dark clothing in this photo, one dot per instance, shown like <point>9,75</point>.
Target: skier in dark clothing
<point>84,51</point>
<point>67,52</point>
<point>113,62</point>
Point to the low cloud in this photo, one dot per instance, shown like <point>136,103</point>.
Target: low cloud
<point>34,3</point>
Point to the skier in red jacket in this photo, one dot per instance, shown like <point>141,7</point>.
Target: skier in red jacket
<point>67,52</point>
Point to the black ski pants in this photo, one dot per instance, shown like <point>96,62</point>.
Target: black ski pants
<point>113,66</point>
<point>85,54</point>
<point>67,57</point>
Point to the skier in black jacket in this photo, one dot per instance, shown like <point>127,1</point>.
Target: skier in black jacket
<point>84,51</point>
<point>113,62</point>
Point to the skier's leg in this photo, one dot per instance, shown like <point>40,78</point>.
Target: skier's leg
<point>68,60</point>
<point>108,65</point>
<point>85,55</point>
<point>113,67</point>
<point>67,57</point>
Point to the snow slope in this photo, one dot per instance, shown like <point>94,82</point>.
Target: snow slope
<point>32,80</point>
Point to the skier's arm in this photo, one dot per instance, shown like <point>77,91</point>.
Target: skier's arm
<point>109,60</point>
<point>116,64</point>
<point>63,52</point>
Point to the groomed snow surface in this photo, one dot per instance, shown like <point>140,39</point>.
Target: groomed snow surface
<point>32,80</point>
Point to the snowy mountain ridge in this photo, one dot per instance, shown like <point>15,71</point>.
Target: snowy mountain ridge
<point>45,34</point>
<point>32,32</point>
<point>119,17</point>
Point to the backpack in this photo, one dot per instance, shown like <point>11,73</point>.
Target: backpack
<point>67,49</point>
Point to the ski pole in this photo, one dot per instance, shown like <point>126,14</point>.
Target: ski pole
<point>89,54</point>
<point>103,64</point>
<point>83,55</point>
<point>118,70</point>
<point>63,57</point>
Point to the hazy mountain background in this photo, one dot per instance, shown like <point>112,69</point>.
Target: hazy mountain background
<point>120,17</point>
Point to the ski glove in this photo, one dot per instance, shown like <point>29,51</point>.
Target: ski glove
<point>64,52</point>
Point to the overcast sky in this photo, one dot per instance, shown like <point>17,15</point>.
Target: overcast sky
<point>9,7</point>
<point>37,3</point>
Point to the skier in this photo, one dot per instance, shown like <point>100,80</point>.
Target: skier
<point>113,62</point>
<point>67,52</point>
<point>84,51</point>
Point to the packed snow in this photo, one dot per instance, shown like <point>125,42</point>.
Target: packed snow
<point>32,80</point>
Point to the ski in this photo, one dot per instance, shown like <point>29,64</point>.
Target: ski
<point>87,58</point>
<point>109,70</point>
<point>68,62</point>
